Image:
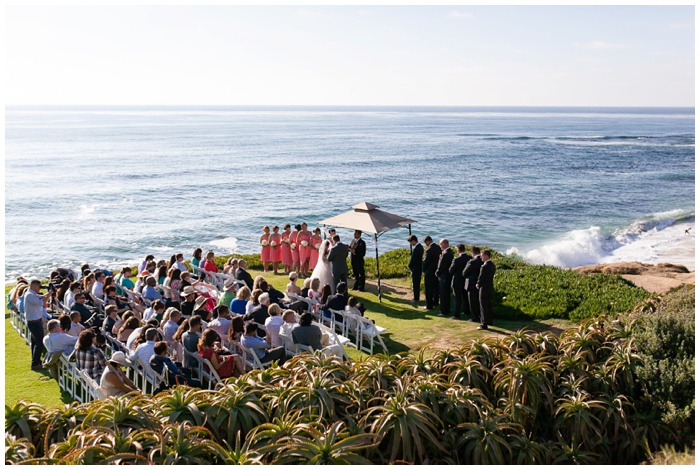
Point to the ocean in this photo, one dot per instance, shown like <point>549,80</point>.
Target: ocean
<point>561,186</point>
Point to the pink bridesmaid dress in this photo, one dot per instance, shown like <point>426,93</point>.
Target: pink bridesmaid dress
<point>286,252</point>
<point>276,251</point>
<point>304,251</point>
<point>295,249</point>
<point>313,257</point>
<point>265,251</point>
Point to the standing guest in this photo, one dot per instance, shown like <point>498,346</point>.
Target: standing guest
<point>179,258</point>
<point>111,320</point>
<point>143,264</point>
<point>222,321</point>
<point>338,259</point>
<point>430,264</point>
<point>304,242</point>
<point>275,248</point>
<point>79,306</point>
<point>294,246</point>
<point>229,294</point>
<point>209,264</point>
<point>35,313</point>
<point>243,275</point>
<point>225,365</point>
<point>260,347</point>
<point>89,357</point>
<point>124,278</point>
<point>75,327</point>
<point>238,304</point>
<point>273,324</point>
<point>456,269</point>
<point>98,286</point>
<point>292,285</point>
<point>316,241</point>
<point>114,382</point>
<point>285,250</point>
<point>358,249</point>
<point>196,259</point>
<point>444,277</point>
<point>471,276</point>
<point>485,285</point>
<point>265,248</point>
<point>171,326</point>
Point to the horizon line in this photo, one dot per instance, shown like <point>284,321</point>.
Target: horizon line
<point>354,105</point>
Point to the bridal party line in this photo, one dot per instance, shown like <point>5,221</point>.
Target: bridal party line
<point>295,250</point>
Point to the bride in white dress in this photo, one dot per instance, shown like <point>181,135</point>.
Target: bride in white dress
<point>322,271</point>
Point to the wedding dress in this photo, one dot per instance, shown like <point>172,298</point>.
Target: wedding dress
<point>322,271</point>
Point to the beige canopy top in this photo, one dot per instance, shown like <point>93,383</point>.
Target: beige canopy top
<point>368,218</point>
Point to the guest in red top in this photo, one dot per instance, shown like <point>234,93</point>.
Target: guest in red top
<point>209,264</point>
<point>286,251</point>
<point>304,241</point>
<point>293,240</point>
<point>230,365</point>
<point>275,248</point>
<point>265,248</point>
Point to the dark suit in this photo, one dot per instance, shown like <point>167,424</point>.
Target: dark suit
<point>243,275</point>
<point>430,264</point>
<point>416,267</point>
<point>471,275</point>
<point>485,283</point>
<point>357,260</point>
<point>338,259</point>
<point>258,315</point>
<point>445,279</point>
<point>461,298</point>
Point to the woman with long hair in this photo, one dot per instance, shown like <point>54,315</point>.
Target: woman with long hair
<point>275,248</point>
<point>230,365</point>
<point>285,250</point>
<point>304,241</point>
<point>265,248</point>
<point>293,244</point>
<point>316,241</point>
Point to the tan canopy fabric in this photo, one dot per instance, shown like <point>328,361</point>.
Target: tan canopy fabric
<point>368,218</point>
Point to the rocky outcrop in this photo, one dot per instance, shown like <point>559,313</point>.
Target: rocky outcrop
<point>659,278</point>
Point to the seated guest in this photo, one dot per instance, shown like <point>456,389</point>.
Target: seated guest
<point>154,311</point>
<point>238,304</point>
<point>120,322</point>
<point>187,306</point>
<point>171,325</point>
<point>273,324</point>
<point>306,333</point>
<point>225,365</point>
<point>69,298</point>
<point>89,281</point>
<point>161,275</point>
<point>185,279</point>
<point>138,336</point>
<point>290,322</point>
<point>190,338</point>
<point>229,292</point>
<point>97,287</point>
<point>314,292</point>
<point>149,290</point>
<point>236,330</point>
<point>337,301</point>
<point>209,264</point>
<point>160,361</point>
<point>89,357</point>
<point>221,322</point>
<point>260,313</point>
<point>62,289</point>
<point>292,287</point>
<point>111,320</point>
<point>254,301</point>
<point>307,286</point>
<point>243,275</point>
<point>75,327</point>
<point>275,295</point>
<point>57,343</point>
<point>124,278</point>
<point>79,306</point>
<point>179,258</point>
<point>201,310</point>
<point>114,382</point>
<point>260,347</point>
<point>231,266</point>
<point>111,298</point>
<point>144,351</point>
<point>173,282</point>
<point>66,323</point>
<point>354,307</point>
<point>144,262</point>
<point>127,328</point>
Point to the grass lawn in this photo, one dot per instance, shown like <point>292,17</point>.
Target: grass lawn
<point>409,328</point>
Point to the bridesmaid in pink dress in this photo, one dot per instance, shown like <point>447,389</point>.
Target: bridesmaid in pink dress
<point>286,250</point>
<point>275,248</point>
<point>295,248</point>
<point>265,248</point>
<point>304,239</point>
<point>315,244</point>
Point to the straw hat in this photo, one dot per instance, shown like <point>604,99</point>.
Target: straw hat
<point>199,303</point>
<point>187,291</point>
<point>230,284</point>
<point>120,358</point>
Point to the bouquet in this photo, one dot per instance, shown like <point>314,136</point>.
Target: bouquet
<point>317,245</point>
<point>285,240</point>
<point>273,244</point>
<point>264,243</point>
<point>294,246</point>
<point>304,243</point>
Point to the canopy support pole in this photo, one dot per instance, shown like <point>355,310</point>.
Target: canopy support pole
<point>376,251</point>
<point>410,247</point>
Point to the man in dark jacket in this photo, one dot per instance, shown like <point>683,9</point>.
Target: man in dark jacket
<point>259,314</point>
<point>456,269</point>
<point>485,285</point>
<point>471,275</point>
<point>243,275</point>
<point>444,277</point>
<point>430,265</point>
<point>415,265</point>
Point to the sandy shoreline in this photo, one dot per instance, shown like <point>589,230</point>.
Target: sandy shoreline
<point>657,278</point>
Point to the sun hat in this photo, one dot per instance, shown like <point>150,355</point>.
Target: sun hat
<point>230,283</point>
<point>120,358</point>
<point>199,303</point>
<point>187,291</point>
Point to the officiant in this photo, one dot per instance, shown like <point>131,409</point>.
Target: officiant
<point>358,249</point>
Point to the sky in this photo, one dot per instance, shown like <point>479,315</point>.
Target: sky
<point>353,55</point>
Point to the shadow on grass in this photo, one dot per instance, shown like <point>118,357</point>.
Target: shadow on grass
<point>46,377</point>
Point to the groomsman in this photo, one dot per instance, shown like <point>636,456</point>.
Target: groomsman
<point>358,248</point>
<point>415,265</point>
<point>444,276</point>
<point>485,285</point>
<point>456,269</point>
<point>471,275</point>
<point>430,264</point>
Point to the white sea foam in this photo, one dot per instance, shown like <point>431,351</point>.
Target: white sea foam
<point>230,243</point>
<point>663,237</point>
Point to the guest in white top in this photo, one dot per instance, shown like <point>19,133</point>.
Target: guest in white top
<point>222,321</point>
<point>69,298</point>
<point>98,286</point>
<point>170,327</point>
<point>178,263</point>
<point>58,342</point>
<point>289,319</point>
<point>145,350</point>
<point>75,327</point>
<point>273,323</point>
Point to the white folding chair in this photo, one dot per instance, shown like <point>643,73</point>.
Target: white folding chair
<point>371,332</point>
<point>251,360</point>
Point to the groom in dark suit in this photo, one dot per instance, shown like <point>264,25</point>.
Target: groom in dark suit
<point>358,249</point>
<point>415,265</point>
<point>338,259</point>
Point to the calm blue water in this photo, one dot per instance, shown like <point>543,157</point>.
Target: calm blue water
<point>107,185</point>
